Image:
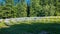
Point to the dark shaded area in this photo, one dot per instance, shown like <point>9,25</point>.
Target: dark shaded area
<point>35,28</point>
<point>28,11</point>
<point>28,7</point>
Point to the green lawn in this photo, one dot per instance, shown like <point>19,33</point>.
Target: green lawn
<point>52,26</point>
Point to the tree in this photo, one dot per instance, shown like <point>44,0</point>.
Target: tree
<point>6,11</point>
<point>58,7</point>
<point>22,9</point>
<point>35,8</point>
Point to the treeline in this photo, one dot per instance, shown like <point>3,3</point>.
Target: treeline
<point>36,8</point>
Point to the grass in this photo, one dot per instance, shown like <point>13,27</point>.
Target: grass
<point>23,28</point>
<point>52,26</point>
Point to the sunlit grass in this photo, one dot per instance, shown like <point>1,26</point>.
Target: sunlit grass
<point>42,20</point>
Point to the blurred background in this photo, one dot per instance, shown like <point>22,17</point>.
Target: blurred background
<point>29,8</point>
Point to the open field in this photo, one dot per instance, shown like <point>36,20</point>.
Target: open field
<point>37,26</point>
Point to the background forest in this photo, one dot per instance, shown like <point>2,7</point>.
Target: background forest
<point>29,8</point>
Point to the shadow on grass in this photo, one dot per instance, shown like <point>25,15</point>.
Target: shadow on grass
<point>35,28</point>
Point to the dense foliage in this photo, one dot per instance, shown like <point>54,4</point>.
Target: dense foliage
<point>8,10</point>
<point>45,8</point>
<point>32,8</point>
